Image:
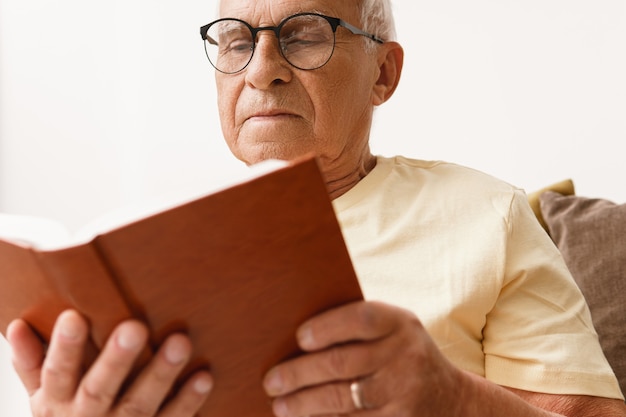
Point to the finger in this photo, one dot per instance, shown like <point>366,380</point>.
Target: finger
<point>102,382</point>
<point>338,363</point>
<point>328,399</point>
<point>190,397</point>
<point>27,354</point>
<point>342,398</point>
<point>354,321</point>
<point>155,382</point>
<point>63,363</point>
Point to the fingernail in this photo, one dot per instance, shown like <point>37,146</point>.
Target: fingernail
<point>280,408</point>
<point>273,383</point>
<point>69,329</point>
<point>128,339</point>
<point>175,352</point>
<point>305,338</point>
<point>203,385</point>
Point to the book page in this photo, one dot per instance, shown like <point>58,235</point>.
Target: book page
<point>32,230</point>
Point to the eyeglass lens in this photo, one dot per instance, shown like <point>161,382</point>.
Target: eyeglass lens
<point>305,41</point>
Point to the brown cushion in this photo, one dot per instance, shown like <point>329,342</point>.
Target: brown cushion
<point>591,234</point>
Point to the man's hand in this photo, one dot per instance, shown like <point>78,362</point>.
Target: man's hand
<point>385,350</point>
<point>372,359</point>
<point>57,386</point>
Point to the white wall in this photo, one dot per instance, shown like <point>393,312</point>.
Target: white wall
<point>103,104</point>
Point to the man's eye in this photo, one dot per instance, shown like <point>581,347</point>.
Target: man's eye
<point>236,46</point>
<point>303,39</point>
<point>242,45</point>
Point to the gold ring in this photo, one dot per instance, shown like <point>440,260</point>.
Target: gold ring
<point>356,393</point>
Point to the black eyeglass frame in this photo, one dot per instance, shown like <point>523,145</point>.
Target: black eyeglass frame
<point>334,22</point>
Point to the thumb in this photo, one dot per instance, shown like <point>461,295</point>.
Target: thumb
<point>28,354</point>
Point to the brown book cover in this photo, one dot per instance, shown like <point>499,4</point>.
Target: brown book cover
<point>238,270</point>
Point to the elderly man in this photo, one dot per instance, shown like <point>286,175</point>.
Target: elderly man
<point>476,312</point>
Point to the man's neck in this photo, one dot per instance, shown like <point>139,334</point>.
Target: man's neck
<point>340,183</point>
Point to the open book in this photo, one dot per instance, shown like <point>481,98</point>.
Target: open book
<point>238,270</point>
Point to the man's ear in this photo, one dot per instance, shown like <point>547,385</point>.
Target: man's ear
<point>390,61</point>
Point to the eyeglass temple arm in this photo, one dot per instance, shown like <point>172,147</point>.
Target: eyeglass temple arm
<point>358,31</point>
<point>205,35</point>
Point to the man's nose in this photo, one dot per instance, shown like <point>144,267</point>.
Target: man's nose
<point>268,65</point>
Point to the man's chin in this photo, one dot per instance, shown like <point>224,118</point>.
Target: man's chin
<point>252,153</point>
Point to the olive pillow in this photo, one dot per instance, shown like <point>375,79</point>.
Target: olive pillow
<point>565,187</point>
<point>591,235</point>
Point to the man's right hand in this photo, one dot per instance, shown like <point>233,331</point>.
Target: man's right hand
<point>58,387</point>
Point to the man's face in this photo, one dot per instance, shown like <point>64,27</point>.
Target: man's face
<point>273,110</point>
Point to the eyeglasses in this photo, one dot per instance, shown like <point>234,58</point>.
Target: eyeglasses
<point>305,40</point>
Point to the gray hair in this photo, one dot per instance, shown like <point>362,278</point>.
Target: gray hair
<point>377,18</point>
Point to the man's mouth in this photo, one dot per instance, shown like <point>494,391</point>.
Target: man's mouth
<point>271,115</point>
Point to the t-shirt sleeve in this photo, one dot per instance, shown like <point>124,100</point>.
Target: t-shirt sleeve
<point>539,335</point>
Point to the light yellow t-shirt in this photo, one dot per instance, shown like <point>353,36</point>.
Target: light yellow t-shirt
<point>464,252</point>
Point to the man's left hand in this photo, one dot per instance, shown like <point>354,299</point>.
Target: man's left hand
<point>364,356</point>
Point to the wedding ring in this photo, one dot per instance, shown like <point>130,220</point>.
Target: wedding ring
<point>356,393</point>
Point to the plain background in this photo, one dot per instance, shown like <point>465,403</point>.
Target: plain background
<point>105,104</point>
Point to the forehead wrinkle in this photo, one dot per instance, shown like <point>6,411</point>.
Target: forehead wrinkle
<point>256,12</point>
<point>259,13</point>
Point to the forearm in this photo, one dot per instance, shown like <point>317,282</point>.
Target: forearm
<point>482,398</point>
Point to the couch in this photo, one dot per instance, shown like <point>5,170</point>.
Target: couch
<point>591,235</point>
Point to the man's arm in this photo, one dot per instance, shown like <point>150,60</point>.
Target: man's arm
<point>574,405</point>
<point>483,392</point>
